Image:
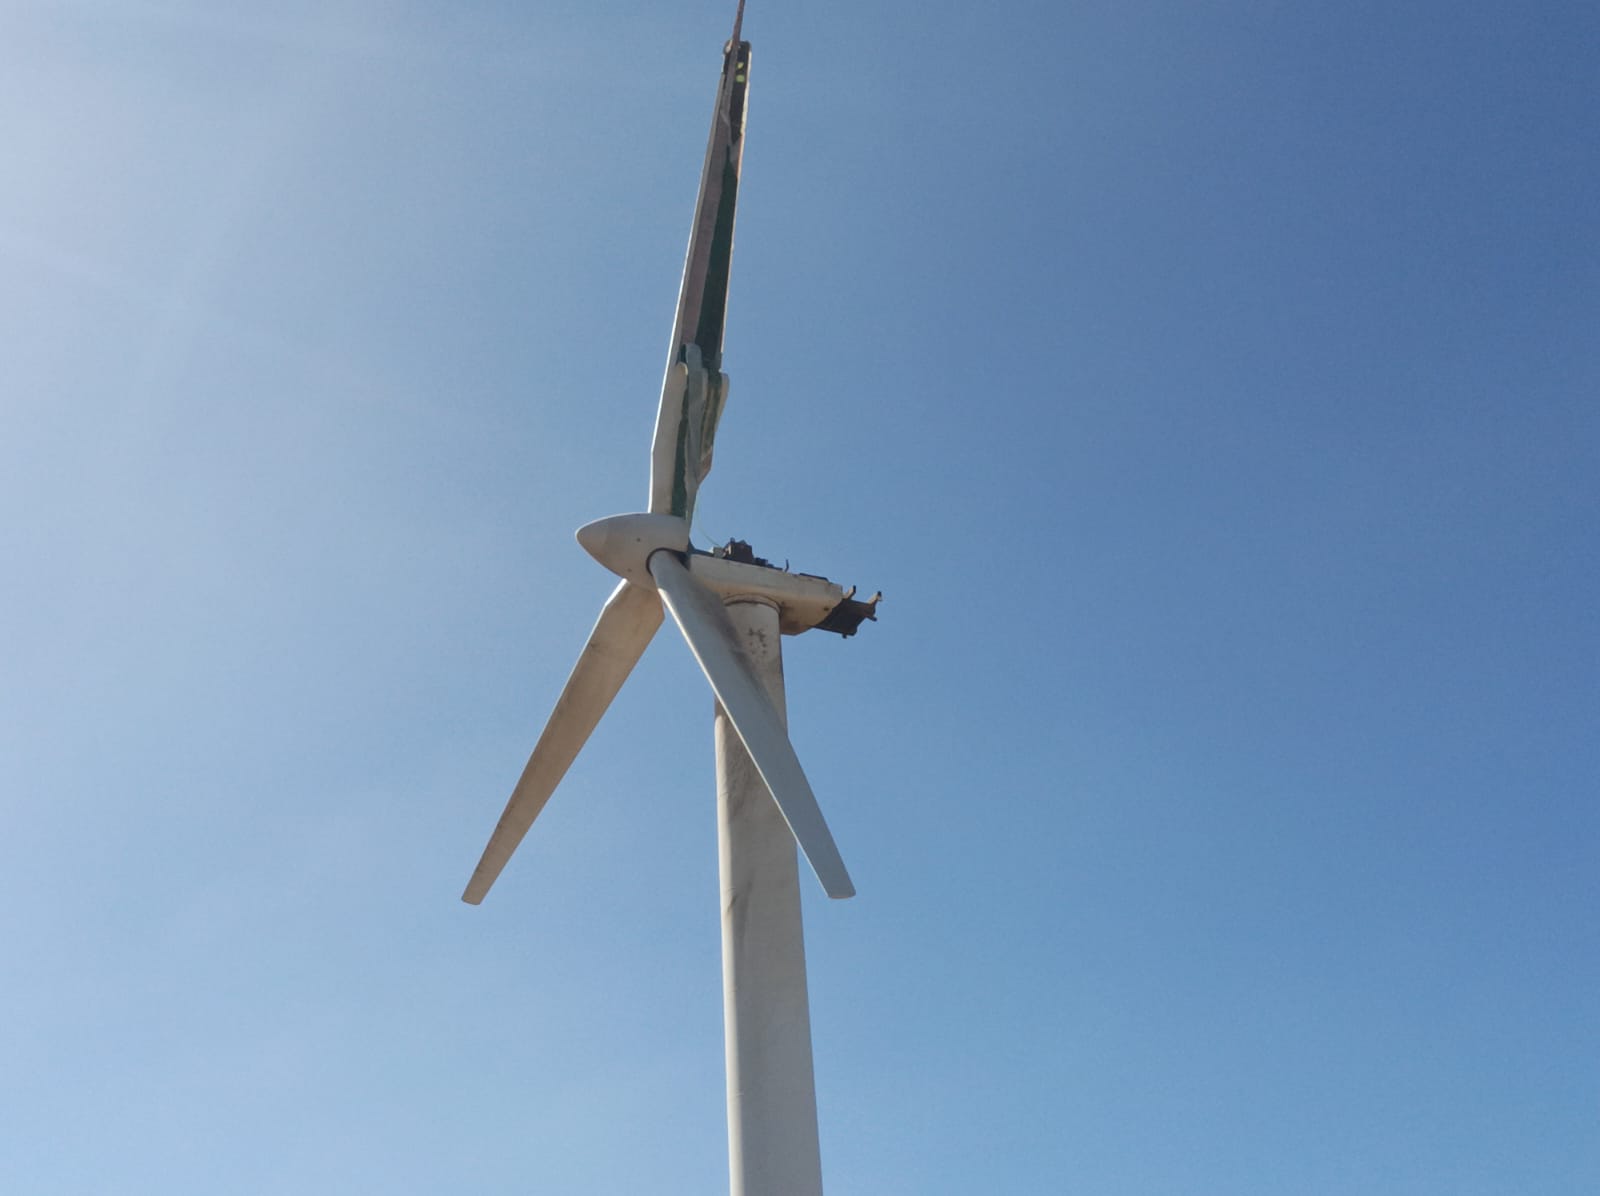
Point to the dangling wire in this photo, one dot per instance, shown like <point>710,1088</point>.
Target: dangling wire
<point>720,545</point>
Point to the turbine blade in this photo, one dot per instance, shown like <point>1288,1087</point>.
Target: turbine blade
<point>699,615</point>
<point>694,388</point>
<point>625,627</point>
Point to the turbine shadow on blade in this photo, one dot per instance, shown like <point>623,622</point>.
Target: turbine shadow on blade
<point>627,623</point>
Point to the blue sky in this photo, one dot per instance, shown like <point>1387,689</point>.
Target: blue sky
<point>1211,389</point>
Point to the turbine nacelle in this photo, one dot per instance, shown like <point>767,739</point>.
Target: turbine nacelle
<point>624,543</point>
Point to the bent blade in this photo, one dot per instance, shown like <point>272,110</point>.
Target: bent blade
<point>625,627</point>
<point>680,453</point>
<point>712,639</point>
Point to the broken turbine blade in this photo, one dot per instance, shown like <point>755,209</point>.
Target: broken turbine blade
<point>694,387</point>
<point>625,627</point>
<point>711,637</point>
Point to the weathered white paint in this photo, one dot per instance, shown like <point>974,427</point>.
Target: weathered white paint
<point>773,1148</point>
<point>719,649</point>
<point>664,454</point>
<point>623,543</point>
<point>626,625</point>
<point>803,601</point>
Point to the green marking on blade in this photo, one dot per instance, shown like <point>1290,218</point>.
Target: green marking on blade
<point>714,298</point>
<point>680,480</point>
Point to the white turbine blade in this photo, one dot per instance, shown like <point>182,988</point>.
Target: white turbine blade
<point>621,634</point>
<point>699,615</point>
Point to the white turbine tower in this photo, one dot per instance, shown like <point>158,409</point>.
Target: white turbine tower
<point>732,609</point>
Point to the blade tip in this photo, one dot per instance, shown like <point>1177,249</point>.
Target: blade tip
<point>477,889</point>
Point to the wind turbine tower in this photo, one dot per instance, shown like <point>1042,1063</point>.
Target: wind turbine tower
<point>732,608</point>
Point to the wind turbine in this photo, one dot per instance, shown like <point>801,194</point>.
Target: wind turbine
<point>732,608</point>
